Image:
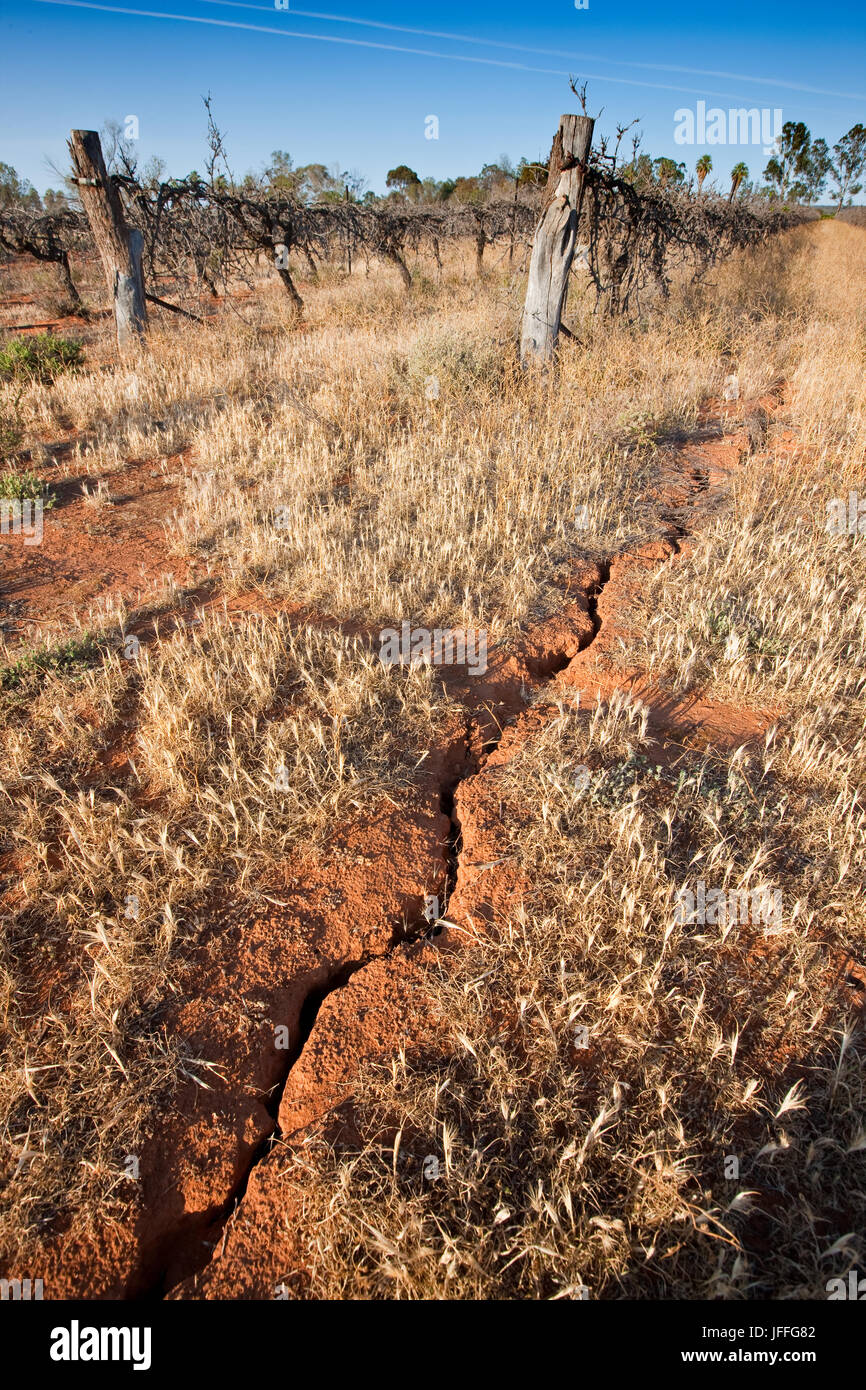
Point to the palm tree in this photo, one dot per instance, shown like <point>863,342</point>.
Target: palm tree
<point>739,174</point>
<point>702,168</point>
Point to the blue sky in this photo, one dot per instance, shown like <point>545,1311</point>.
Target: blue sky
<point>329,90</point>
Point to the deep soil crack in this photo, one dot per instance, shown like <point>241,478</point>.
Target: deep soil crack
<point>592,603</point>
<point>187,1253</point>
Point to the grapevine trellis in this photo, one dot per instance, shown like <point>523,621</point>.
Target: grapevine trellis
<point>637,238</point>
<point>207,233</point>
<point>48,237</point>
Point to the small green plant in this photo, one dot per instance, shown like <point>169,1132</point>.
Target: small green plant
<point>41,358</point>
<point>442,364</point>
<point>77,652</point>
<point>695,786</point>
<point>731,619</point>
<point>18,486</point>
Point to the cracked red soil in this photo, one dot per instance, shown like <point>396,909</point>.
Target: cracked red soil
<point>337,948</point>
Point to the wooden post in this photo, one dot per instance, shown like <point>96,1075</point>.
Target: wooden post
<point>348,239</point>
<point>119,246</point>
<point>480,243</point>
<point>555,238</point>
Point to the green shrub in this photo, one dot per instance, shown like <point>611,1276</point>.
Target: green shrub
<point>40,358</point>
<point>18,486</point>
<point>77,652</point>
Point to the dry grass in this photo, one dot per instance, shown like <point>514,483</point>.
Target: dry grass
<point>326,470</point>
<point>249,738</point>
<point>602,1163</point>
<point>606,1170</point>
<point>324,464</point>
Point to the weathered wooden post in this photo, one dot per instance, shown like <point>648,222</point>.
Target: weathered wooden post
<point>348,239</point>
<point>555,238</point>
<point>119,246</point>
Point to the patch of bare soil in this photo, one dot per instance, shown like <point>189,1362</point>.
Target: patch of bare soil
<point>91,554</point>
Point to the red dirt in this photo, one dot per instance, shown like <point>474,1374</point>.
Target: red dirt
<point>321,917</point>
<point>90,555</point>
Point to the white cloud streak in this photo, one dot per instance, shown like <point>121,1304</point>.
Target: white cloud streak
<point>386,47</point>
<point>547,52</point>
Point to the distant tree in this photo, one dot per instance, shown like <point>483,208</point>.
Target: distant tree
<point>16,192</point>
<point>739,174</point>
<point>280,173</point>
<point>815,171</point>
<point>54,200</point>
<point>788,167</point>
<point>118,152</point>
<point>430,190</point>
<point>469,190</point>
<point>702,168</point>
<point>446,188</point>
<point>668,171</point>
<point>531,172</point>
<point>639,170</point>
<point>354,180</point>
<point>315,183</point>
<point>403,180</point>
<point>154,172</point>
<point>849,164</point>
<point>496,179</point>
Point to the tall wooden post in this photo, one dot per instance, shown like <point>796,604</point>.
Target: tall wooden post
<point>348,238</point>
<point>555,238</point>
<point>119,246</point>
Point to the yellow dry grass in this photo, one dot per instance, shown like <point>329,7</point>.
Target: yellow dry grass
<point>328,469</point>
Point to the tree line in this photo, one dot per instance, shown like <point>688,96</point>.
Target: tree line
<point>641,219</point>
<point>799,171</point>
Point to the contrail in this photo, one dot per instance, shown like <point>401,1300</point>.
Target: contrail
<point>546,52</point>
<point>387,47</point>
